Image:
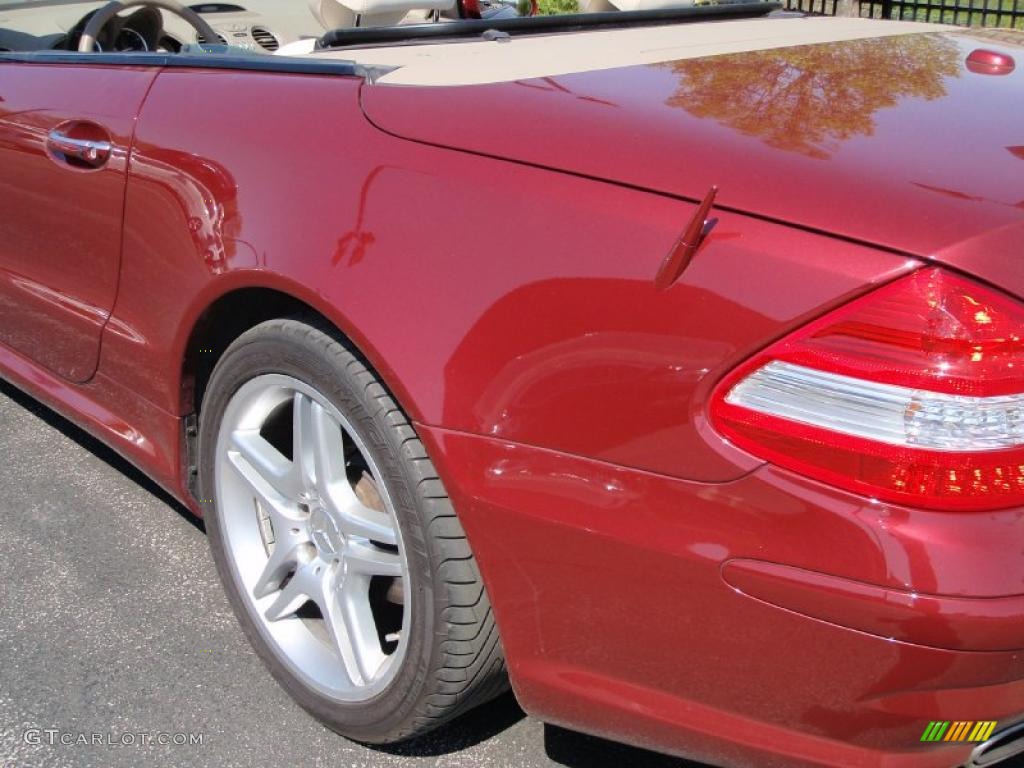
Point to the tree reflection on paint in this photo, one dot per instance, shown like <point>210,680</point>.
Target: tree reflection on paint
<point>809,98</point>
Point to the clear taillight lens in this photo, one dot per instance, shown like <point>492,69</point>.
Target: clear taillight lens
<point>913,394</point>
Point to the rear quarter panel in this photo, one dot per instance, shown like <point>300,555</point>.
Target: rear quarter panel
<point>494,298</point>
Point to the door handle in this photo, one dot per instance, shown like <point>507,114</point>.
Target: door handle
<point>88,151</point>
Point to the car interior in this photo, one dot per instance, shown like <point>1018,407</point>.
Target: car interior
<point>295,27</point>
<point>248,26</point>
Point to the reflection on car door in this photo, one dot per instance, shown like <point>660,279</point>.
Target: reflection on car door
<point>65,133</point>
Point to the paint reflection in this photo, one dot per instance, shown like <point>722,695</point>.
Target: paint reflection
<point>808,99</point>
<point>207,198</point>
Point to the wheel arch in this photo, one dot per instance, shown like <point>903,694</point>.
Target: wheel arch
<point>221,317</point>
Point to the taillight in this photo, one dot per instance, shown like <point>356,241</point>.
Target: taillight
<point>913,393</point>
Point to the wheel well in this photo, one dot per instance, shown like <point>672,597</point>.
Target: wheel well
<point>220,324</point>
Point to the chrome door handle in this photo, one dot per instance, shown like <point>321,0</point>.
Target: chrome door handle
<point>92,153</point>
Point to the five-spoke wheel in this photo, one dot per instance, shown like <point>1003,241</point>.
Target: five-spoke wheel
<point>338,547</point>
<point>309,529</point>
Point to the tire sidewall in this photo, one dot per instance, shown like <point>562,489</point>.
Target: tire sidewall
<point>321,362</point>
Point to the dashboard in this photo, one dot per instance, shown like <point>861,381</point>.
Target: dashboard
<point>256,25</point>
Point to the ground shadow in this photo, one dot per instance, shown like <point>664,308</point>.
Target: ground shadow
<point>562,746</point>
<point>578,750</point>
<point>99,449</point>
<point>476,726</point>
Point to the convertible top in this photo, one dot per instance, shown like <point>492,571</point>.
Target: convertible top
<point>506,60</point>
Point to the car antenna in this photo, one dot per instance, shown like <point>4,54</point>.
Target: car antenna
<point>686,246</point>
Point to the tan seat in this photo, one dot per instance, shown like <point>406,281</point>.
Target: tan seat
<point>592,6</point>
<point>334,14</point>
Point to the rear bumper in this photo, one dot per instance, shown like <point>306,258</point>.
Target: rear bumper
<point>767,621</point>
<point>937,621</point>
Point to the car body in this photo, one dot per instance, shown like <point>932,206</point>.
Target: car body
<point>486,229</point>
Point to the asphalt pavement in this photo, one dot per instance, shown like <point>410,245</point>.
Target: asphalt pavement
<point>117,644</point>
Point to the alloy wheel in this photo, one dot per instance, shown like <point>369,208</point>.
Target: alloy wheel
<point>312,538</point>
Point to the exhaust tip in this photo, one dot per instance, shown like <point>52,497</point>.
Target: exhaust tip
<point>1005,744</point>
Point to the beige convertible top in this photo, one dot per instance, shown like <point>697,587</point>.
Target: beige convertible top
<point>470,63</point>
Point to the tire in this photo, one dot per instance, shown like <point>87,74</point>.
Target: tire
<point>447,657</point>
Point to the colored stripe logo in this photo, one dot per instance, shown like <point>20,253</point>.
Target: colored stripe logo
<point>959,730</point>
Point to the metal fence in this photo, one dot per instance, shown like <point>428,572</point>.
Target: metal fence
<point>984,13</point>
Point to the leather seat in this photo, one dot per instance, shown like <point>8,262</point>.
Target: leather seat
<point>592,6</point>
<point>333,14</point>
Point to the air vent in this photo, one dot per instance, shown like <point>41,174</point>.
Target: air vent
<point>265,39</point>
<point>203,41</point>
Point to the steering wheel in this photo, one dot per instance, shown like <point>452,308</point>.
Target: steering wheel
<point>87,42</point>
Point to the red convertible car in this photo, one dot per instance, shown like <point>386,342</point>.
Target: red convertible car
<point>666,364</point>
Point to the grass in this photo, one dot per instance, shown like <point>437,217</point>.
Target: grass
<point>552,7</point>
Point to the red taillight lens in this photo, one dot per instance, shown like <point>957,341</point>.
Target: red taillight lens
<point>913,394</point>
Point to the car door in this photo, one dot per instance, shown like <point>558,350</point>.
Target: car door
<point>65,135</point>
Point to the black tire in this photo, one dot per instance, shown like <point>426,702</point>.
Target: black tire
<point>454,659</point>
